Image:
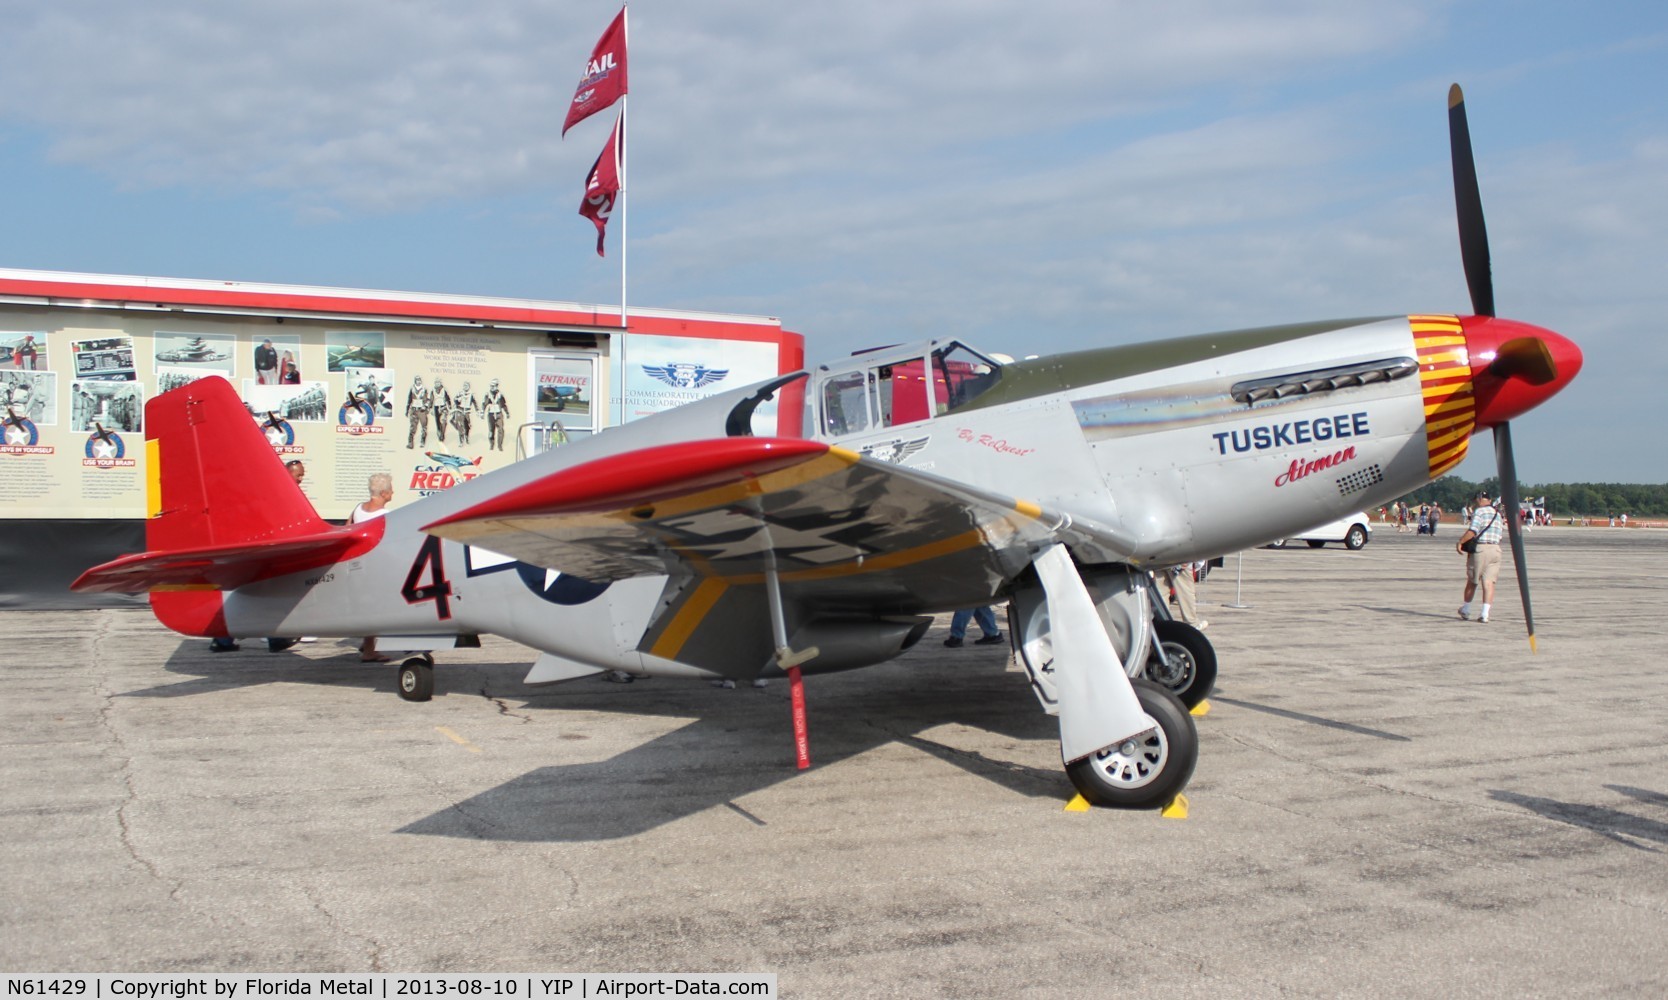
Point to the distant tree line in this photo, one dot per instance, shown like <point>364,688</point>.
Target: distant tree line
<point>1562,499</point>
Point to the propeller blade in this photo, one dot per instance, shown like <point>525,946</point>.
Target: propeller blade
<point>1513,515</point>
<point>1527,358</point>
<point>1468,206</point>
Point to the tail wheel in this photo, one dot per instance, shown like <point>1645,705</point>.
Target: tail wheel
<point>1190,673</point>
<point>1146,770</point>
<point>417,679</point>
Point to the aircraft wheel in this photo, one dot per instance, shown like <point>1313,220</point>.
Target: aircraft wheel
<point>1191,673</point>
<point>1148,769</point>
<point>561,404</point>
<point>1315,543</point>
<point>417,679</point>
<point>1357,537</point>
<point>1278,543</point>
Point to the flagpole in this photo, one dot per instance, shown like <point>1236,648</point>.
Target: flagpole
<point>625,100</point>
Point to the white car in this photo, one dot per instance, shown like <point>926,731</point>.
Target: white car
<point>1355,531</point>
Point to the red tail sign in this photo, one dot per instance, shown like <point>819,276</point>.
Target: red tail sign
<point>602,186</point>
<point>604,81</point>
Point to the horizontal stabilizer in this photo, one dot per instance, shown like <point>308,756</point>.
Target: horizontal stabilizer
<point>223,567</point>
<point>552,669</point>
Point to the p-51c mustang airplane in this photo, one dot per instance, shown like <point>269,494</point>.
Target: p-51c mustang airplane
<point>933,478</point>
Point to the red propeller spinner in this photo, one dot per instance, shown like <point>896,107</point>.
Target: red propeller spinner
<point>1515,366</point>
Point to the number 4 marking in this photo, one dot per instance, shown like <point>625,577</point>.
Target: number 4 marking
<point>439,589</point>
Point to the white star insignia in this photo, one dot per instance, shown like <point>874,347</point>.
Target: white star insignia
<point>104,449</point>
<point>356,415</point>
<point>16,435</point>
<point>274,435</point>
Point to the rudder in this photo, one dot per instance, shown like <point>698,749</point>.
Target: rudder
<point>213,479</point>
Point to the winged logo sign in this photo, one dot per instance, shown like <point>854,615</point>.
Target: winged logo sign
<point>685,374</point>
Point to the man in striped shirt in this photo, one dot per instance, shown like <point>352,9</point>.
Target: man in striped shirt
<point>1483,565</point>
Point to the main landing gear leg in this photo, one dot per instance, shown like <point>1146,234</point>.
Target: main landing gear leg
<point>1124,744</point>
<point>789,662</point>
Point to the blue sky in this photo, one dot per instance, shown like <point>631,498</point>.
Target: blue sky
<point>1030,178</point>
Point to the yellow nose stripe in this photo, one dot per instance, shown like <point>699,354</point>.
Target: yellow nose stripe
<point>1445,379</point>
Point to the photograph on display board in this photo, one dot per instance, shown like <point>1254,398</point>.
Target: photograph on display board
<point>370,385</point>
<point>23,350</point>
<point>350,350</point>
<point>308,402</point>
<point>168,377</point>
<point>277,361</point>
<point>204,352</point>
<point>115,406</point>
<point>104,358</point>
<point>563,385</point>
<point>31,396</point>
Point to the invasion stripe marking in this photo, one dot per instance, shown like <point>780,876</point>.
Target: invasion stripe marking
<point>694,610</point>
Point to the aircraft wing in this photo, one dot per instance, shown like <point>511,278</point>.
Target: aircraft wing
<point>850,537</point>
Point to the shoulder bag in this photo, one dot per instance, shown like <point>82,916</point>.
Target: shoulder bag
<point>1470,544</point>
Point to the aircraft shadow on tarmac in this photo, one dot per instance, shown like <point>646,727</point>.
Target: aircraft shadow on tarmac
<point>1313,720</point>
<point>739,743</point>
<point>1613,824</point>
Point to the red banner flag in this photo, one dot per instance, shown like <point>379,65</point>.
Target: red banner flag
<point>604,81</point>
<point>602,186</point>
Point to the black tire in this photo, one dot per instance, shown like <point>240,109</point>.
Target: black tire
<point>1356,539</point>
<point>1145,771</point>
<point>1278,543</point>
<point>1191,674</point>
<point>416,679</point>
<point>561,404</point>
<point>1315,543</point>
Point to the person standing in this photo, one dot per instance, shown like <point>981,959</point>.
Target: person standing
<point>1181,580</point>
<point>1482,564</point>
<point>418,402</point>
<point>381,485</point>
<point>497,410</point>
<point>989,633</point>
<point>266,364</point>
<point>464,405</point>
<point>442,408</point>
<point>80,413</point>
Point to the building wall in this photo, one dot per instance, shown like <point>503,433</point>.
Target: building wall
<point>74,376</point>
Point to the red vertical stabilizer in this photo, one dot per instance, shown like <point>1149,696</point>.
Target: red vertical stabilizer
<point>221,510</point>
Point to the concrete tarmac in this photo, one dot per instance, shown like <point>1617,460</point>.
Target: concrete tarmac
<point>1389,801</point>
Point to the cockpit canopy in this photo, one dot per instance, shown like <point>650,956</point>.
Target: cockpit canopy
<point>892,386</point>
